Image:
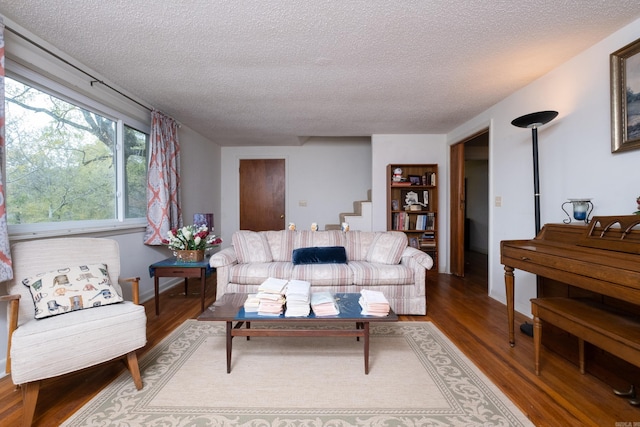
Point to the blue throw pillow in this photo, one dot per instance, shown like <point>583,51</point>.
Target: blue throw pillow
<point>320,255</point>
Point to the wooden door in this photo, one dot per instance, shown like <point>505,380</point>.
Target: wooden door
<point>262,194</point>
<point>457,209</point>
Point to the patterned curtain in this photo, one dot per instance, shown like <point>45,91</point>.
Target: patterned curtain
<point>6,271</point>
<point>163,180</point>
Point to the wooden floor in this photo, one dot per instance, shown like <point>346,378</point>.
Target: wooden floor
<point>461,309</point>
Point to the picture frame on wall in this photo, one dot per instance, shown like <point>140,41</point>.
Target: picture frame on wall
<point>625,98</point>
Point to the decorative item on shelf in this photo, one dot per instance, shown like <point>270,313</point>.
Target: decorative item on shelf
<point>638,206</point>
<point>190,242</point>
<point>581,210</point>
<point>314,226</point>
<point>397,175</point>
<point>292,226</point>
<point>344,226</point>
<point>412,203</point>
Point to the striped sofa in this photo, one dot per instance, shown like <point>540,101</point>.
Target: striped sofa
<point>381,261</point>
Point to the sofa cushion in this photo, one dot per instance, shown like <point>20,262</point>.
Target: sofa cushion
<point>257,272</point>
<point>387,247</point>
<point>308,238</point>
<point>72,339</point>
<point>251,246</point>
<point>69,289</point>
<point>358,244</point>
<point>323,274</point>
<point>320,255</point>
<point>373,274</point>
<point>281,244</point>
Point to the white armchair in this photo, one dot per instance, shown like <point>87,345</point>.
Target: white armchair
<point>78,338</point>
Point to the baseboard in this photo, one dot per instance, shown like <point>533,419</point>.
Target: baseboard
<point>149,294</point>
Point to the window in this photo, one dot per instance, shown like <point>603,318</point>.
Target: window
<point>63,162</point>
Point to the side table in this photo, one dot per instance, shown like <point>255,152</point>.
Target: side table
<point>171,267</point>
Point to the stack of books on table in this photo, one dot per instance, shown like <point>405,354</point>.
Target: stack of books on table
<point>251,304</point>
<point>373,303</point>
<point>324,304</point>
<point>271,297</point>
<point>298,296</point>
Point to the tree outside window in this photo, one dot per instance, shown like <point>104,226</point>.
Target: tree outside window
<point>62,163</point>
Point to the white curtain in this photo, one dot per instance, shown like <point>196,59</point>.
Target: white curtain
<point>163,179</point>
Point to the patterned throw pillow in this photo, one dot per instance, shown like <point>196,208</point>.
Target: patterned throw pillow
<point>70,289</point>
<point>387,247</point>
<point>251,246</point>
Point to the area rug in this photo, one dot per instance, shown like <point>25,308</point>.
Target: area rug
<point>417,377</point>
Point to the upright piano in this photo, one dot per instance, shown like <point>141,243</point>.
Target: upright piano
<point>598,261</point>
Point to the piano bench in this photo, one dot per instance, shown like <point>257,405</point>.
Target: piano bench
<point>611,330</point>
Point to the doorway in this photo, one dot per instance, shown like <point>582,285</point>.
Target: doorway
<point>469,201</point>
<point>262,194</point>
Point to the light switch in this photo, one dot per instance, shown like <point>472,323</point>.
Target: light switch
<point>302,203</point>
<point>498,201</point>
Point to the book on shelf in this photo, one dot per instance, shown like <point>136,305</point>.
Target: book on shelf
<point>400,221</point>
<point>400,183</point>
<point>429,178</point>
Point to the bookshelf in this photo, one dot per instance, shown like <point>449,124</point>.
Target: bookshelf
<point>412,205</point>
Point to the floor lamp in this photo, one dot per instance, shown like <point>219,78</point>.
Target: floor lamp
<point>533,121</point>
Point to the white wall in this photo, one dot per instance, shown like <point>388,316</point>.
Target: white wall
<point>328,173</point>
<point>411,149</point>
<point>200,164</point>
<point>574,150</point>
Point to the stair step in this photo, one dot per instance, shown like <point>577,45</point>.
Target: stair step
<point>359,219</point>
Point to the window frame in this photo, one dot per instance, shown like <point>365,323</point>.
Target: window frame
<point>32,78</point>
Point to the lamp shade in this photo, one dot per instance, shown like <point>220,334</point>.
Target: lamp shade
<point>534,120</point>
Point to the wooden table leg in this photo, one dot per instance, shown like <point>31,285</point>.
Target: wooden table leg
<point>229,342</point>
<point>366,348</point>
<point>203,279</point>
<point>508,282</point>
<point>156,291</point>
<point>537,340</point>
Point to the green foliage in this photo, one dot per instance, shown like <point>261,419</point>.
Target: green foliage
<point>61,161</point>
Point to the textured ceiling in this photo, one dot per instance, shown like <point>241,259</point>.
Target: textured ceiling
<point>273,72</point>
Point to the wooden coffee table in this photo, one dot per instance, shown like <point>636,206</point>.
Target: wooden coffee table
<point>229,308</point>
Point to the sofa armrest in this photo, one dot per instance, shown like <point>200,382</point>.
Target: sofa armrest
<point>135,288</point>
<point>417,256</point>
<point>224,258</point>
<point>14,300</point>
